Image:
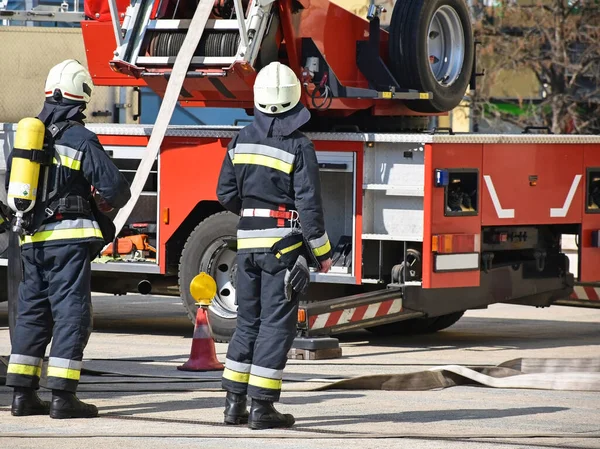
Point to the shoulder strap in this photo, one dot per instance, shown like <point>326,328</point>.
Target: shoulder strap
<point>55,130</point>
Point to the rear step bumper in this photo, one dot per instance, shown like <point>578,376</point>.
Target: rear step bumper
<point>584,295</point>
<point>354,312</point>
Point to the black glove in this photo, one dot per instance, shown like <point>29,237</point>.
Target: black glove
<point>297,279</point>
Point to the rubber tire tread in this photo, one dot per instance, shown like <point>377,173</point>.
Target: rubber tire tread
<point>203,235</point>
<point>444,321</point>
<point>408,39</point>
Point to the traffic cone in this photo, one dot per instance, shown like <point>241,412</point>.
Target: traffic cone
<point>203,356</point>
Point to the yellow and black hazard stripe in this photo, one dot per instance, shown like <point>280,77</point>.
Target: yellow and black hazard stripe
<point>68,157</point>
<point>320,246</point>
<point>265,382</point>
<point>267,156</point>
<point>63,374</point>
<point>81,228</point>
<point>24,371</point>
<point>236,371</point>
<point>259,239</point>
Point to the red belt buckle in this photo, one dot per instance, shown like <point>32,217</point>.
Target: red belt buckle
<point>279,215</point>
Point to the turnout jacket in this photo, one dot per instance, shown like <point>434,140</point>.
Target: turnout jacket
<point>79,162</point>
<point>270,165</point>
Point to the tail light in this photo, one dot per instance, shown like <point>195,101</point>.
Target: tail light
<point>455,243</point>
<point>456,252</point>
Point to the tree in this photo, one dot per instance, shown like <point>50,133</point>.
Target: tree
<point>544,55</point>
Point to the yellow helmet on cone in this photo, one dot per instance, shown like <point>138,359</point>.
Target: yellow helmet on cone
<point>203,289</point>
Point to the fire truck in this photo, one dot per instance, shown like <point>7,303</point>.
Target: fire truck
<point>424,223</point>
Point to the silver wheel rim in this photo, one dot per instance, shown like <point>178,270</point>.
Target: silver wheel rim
<point>446,45</point>
<point>222,268</point>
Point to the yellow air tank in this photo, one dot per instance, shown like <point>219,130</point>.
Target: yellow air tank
<point>25,170</point>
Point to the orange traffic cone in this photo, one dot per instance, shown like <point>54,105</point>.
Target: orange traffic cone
<point>203,356</point>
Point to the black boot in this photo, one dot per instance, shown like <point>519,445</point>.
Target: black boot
<point>235,409</point>
<point>66,405</point>
<point>26,402</point>
<point>264,416</point>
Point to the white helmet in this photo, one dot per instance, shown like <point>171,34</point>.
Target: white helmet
<point>276,89</point>
<point>71,80</point>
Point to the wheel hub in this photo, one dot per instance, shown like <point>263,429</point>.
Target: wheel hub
<point>223,268</point>
<point>446,45</point>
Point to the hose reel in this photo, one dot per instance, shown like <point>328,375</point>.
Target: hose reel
<point>214,43</point>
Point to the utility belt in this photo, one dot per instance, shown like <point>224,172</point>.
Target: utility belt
<point>282,215</point>
<point>69,205</point>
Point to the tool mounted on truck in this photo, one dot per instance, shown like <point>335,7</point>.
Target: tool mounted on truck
<point>422,65</point>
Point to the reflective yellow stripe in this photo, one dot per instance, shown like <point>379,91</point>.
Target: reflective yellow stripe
<point>322,249</point>
<point>62,234</point>
<point>258,242</point>
<point>263,382</point>
<point>25,370</point>
<point>288,249</point>
<point>64,373</point>
<point>68,162</point>
<point>267,161</point>
<point>235,376</point>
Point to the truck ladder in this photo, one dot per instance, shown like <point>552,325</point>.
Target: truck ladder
<point>174,85</point>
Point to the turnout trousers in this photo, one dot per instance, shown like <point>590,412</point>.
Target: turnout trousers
<point>265,330</point>
<point>54,303</point>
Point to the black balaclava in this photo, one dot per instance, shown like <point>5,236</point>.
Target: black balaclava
<point>281,124</point>
<point>59,111</point>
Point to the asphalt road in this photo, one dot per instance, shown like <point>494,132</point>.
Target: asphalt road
<point>151,405</point>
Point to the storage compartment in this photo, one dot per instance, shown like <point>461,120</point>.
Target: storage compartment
<point>143,218</point>
<point>338,193</point>
<point>393,192</point>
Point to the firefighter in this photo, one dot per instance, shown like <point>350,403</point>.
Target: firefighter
<point>54,295</point>
<point>270,177</point>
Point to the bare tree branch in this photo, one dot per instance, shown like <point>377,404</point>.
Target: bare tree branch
<point>557,43</point>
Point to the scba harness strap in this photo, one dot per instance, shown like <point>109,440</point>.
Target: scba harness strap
<point>58,201</point>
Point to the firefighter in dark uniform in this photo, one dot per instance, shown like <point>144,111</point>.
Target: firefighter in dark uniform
<point>54,294</point>
<point>270,177</point>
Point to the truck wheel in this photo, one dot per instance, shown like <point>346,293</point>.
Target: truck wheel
<point>205,250</point>
<point>431,49</point>
<point>444,321</point>
<point>417,326</point>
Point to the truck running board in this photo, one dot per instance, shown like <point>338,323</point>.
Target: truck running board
<point>584,295</point>
<point>353,312</point>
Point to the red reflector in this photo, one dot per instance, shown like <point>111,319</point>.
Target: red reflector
<point>455,243</point>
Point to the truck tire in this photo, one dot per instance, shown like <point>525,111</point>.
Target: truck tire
<point>417,326</point>
<point>431,49</point>
<point>205,250</point>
